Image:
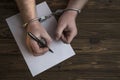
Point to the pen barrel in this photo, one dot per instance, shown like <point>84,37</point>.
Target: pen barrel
<point>42,45</point>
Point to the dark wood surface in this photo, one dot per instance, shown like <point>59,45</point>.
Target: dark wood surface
<point>97,45</point>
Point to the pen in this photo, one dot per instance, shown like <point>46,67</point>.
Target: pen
<point>41,42</point>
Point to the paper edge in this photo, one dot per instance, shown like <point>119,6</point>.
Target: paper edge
<point>20,50</point>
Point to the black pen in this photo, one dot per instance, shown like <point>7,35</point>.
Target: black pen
<point>41,42</point>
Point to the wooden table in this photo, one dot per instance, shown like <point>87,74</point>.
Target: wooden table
<point>97,45</point>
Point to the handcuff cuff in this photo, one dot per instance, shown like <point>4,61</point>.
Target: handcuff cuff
<point>43,18</point>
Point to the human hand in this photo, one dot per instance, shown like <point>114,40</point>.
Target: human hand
<point>66,29</point>
<point>38,30</point>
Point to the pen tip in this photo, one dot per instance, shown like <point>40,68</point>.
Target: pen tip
<point>51,51</point>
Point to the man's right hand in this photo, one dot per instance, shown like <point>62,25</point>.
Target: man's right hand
<point>38,30</point>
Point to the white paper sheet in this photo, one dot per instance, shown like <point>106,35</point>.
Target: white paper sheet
<point>40,63</point>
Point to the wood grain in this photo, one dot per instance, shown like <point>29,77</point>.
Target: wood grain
<point>99,20</point>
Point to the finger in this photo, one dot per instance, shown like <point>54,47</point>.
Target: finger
<point>45,49</point>
<point>70,38</point>
<point>71,35</point>
<point>30,48</point>
<point>63,38</point>
<point>28,44</point>
<point>42,51</point>
<point>34,46</point>
<point>59,30</point>
<point>36,49</point>
<point>47,38</point>
<point>67,38</point>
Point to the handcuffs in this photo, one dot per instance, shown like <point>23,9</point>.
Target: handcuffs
<point>43,18</point>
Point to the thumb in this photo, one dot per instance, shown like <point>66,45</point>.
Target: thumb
<point>60,30</point>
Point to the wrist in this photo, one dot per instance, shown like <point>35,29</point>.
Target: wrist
<point>73,9</point>
<point>33,25</point>
<point>25,25</point>
<point>71,13</point>
<point>27,19</point>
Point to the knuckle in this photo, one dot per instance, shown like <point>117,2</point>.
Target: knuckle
<point>57,32</point>
<point>37,52</point>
